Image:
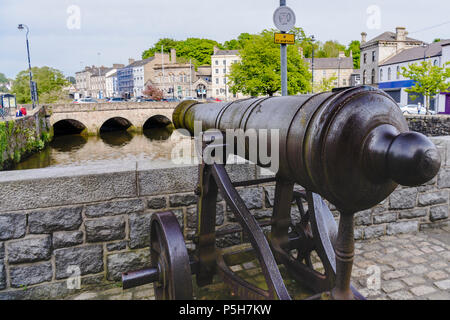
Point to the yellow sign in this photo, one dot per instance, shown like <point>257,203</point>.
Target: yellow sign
<point>284,38</point>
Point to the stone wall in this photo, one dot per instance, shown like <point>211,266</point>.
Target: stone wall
<point>95,219</point>
<point>21,137</point>
<point>438,125</point>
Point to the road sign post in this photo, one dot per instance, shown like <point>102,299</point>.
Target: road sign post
<point>284,20</point>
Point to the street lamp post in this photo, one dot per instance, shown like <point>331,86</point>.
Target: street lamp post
<point>21,27</point>
<point>312,40</point>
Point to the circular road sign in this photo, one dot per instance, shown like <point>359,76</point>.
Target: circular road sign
<point>284,18</point>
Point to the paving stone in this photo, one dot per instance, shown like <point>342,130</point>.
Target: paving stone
<point>437,275</point>
<point>439,296</point>
<point>419,269</point>
<point>438,265</point>
<point>395,274</point>
<point>236,268</point>
<point>443,285</point>
<point>400,295</point>
<point>398,264</point>
<point>60,219</point>
<point>391,286</point>
<point>12,226</point>
<point>413,280</point>
<point>417,260</point>
<point>422,290</point>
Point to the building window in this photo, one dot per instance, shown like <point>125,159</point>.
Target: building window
<point>365,58</point>
<point>389,74</point>
<point>217,62</point>
<point>217,91</point>
<point>435,63</point>
<point>224,62</point>
<point>224,80</point>
<point>373,76</point>
<point>217,70</point>
<point>381,75</point>
<point>398,72</point>
<point>217,80</point>
<point>373,56</point>
<point>344,82</point>
<point>224,71</point>
<point>364,76</point>
<point>324,73</point>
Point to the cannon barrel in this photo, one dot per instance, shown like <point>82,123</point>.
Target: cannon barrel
<point>352,146</point>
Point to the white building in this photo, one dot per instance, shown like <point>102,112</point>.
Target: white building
<point>111,84</point>
<point>392,81</point>
<point>221,63</point>
<point>380,49</point>
<point>138,78</point>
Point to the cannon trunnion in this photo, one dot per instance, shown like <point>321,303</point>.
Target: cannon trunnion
<point>351,147</point>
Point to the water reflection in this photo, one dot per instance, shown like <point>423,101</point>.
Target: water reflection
<point>153,144</point>
<point>116,138</point>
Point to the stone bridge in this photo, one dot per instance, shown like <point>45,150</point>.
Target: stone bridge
<point>93,118</point>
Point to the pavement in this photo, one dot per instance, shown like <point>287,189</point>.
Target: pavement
<point>401,267</point>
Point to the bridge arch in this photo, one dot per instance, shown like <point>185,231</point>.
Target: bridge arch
<point>68,126</point>
<point>115,124</point>
<point>156,121</point>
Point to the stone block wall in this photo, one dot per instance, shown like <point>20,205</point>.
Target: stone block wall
<point>95,220</point>
<point>437,125</point>
<point>21,137</point>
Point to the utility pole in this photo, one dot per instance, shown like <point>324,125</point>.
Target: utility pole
<point>33,88</point>
<point>283,50</point>
<point>190,77</point>
<point>162,57</point>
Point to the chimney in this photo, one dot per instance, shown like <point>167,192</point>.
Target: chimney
<point>341,54</point>
<point>400,34</point>
<point>363,37</point>
<point>300,51</point>
<point>173,56</point>
<point>216,49</point>
<point>130,60</point>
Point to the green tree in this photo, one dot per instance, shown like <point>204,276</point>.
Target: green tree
<point>3,82</point>
<point>237,44</point>
<point>258,72</point>
<point>196,49</point>
<point>429,80</point>
<point>354,47</point>
<point>326,84</point>
<point>330,49</point>
<point>50,83</point>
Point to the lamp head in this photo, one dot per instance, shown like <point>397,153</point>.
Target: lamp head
<point>20,27</point>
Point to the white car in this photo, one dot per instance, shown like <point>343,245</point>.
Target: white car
<point>85,100</point>
<point>415,109</point>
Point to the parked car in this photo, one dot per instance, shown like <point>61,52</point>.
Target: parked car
<point>85,100</point>
<point>113,100</point>
<point>415,109</point>
<point>171,100</point>
<point>189,98</point>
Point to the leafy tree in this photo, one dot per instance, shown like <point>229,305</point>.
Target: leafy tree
<point>3,82</point>
<point>3,78</point>
<point>330,49</point>
<point>71,79</point>
<point>325,85</point>
<point>50,83</point>
<point>196,49</point>
<point>153,93</point>
<point>258,72</point>
<point>354,47</point>
<point>237,44</point>
<point>429,79</point>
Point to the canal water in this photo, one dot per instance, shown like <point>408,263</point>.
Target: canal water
<point>75,149</point>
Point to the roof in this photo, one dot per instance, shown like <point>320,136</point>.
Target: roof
<point>387,36</point>
<point>96,71</point>
<point>140,62</point>
<point>227,53</point>
<point>331,63</point>
<point>418,53</point>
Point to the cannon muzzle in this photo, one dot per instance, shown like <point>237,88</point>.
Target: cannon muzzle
<point>353,146</point>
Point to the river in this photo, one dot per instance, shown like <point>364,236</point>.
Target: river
<point>65,150</point>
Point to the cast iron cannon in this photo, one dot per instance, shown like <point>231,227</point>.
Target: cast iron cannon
<point>351,147</point>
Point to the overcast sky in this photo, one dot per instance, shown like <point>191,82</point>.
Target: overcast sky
<point>120,29</point>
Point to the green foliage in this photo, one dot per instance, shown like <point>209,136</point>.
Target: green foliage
<point>325,85</point>
<point>237,44</point>
<point>258,72</point>
<point>199,50</point>
<point>330,49</point>
<point>50,83</point>
<point>3,82</point>
<point>429,79</point>
<point>354,47</point>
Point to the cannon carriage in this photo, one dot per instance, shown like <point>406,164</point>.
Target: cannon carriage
<point>351,147</point>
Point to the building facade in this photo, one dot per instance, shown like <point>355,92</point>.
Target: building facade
<point>380,49</point>
<point>395,84</point>
<point>340,68</point>
<point>221,62</point>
